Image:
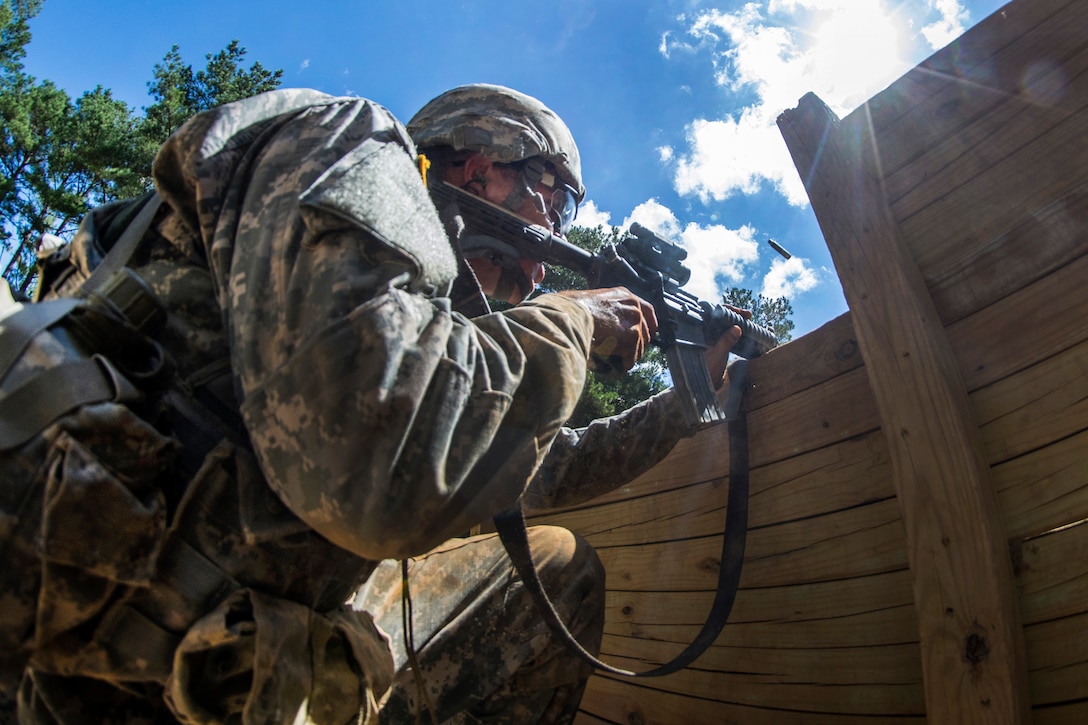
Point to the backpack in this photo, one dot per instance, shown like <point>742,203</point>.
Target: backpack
<point>101,441</point>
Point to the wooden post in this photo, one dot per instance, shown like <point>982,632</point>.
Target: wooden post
<point>969,627</point>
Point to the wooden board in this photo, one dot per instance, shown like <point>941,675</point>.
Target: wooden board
<point>786,603</point>
<point>972,642</point>
<point>638,704</point>
<point>1044,489</point>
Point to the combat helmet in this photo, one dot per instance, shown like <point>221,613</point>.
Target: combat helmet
<point>508,127</point>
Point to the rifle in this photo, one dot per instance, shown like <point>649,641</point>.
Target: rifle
<point>649,266</point>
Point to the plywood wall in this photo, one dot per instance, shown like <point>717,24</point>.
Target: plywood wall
<point>976,162</point>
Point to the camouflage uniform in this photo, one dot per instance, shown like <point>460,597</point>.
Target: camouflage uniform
<point>356,417</point>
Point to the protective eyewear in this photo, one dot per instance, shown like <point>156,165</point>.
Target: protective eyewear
<point>560,204</point>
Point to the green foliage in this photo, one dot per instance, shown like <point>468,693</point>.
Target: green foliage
<point>179,93</point>
<point>59,157</point>
<point>601,396</point>
<point>15,32</point>
<point>773,314</point>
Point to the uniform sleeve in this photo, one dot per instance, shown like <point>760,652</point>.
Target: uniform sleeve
<point>403,424</point>
<point>382,419</point>
<point>587,462</point>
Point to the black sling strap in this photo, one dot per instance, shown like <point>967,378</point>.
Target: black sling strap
<point>511,528</point>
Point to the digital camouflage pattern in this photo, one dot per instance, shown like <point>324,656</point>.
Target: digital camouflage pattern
<point>505,125</point>
<point>484,652</point>
<point>147,563</point>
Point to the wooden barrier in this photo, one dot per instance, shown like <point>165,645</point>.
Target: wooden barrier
<point>918,545</point>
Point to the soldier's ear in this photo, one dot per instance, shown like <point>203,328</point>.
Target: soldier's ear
<point>477,168</point>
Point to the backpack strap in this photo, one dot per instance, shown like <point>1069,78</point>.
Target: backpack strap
<point>122,250</point>
<point>51,394</point>
<point>19,328</point>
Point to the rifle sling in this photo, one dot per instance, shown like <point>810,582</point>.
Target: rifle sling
<point>511,528</point>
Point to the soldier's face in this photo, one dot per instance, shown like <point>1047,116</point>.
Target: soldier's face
<point>494,183</point>
<point>489,275</point>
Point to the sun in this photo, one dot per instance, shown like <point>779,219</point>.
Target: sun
<point>858,49</point>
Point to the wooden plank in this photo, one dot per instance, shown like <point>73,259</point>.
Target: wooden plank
<point>1058,660</point>
<point>584,718</point>
<point>788,617</point>
<point>963,577</point>
<point>1023,329</point>
<point>855,542</point>
<point>840,409</point>
<point>812,419</point>
<point>893,625</point>
<point>1044,489</point>
<point>809,361</point>
<point>1067,713</point>
<point>1041,242</point>
<point>819,666</point>
<point>1052,577</point>
<point>982,200</point>
<point>967,118</point>
<point>773,690</point>
<point>969,60</point>
<point>845,475</point>
<point>778,604</point>
<point>1039,405</point>
<point>636,704</point>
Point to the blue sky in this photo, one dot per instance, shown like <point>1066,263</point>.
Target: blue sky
<point>672,102</point>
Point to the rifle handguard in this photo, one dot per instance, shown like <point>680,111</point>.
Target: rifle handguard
<point>754,340</point>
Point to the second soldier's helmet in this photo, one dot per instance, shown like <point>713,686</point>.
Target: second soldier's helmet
<point>506,126</point>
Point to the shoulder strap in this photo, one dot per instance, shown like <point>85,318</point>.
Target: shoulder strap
<point>511,527</point>
<point>122,250</point>
<point>29,408</point>
<point>55,392</point>
<point>19,328</point>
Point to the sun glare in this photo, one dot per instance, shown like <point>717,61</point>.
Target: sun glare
<point>856,52</point>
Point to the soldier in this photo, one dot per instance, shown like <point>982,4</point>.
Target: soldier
<point>324,393</point>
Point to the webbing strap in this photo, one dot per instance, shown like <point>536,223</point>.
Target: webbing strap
<point>47,396</point>
<point>19,328</point>
<point>121,252</point>
<point>511,527</point>
<point>52,393</point>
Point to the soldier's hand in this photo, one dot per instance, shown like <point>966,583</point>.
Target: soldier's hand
<point>717,355</point>
<point>623,326</point>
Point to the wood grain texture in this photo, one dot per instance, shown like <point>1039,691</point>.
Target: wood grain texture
<point>972,641</point>
<point>947,409</point>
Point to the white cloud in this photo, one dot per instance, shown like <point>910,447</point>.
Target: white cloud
<point>736,155</point>
<point>590,216</point>
<point>770,53</point>
<point>304,65</point>
<point>665,153</point>
<point>654,215</point>
<point>948,26</point>
<point>663,46</point>
<point>718,257</point>
<point>788,278</point>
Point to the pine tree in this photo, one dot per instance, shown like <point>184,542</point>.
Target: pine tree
<point>60,157</point>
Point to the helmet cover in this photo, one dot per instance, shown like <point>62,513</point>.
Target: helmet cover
<point>505,125</point>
